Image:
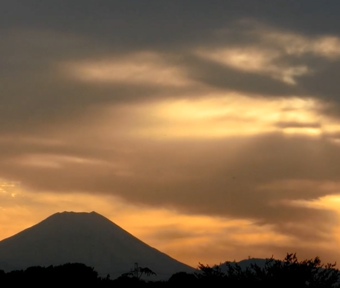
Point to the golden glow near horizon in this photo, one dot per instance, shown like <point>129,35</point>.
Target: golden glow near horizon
<point>162,228</point>
<point>329,203</point>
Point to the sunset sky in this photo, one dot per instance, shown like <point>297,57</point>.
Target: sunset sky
<point>208,129</point>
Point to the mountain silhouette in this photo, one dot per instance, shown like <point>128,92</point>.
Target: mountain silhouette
<point>88,238</point>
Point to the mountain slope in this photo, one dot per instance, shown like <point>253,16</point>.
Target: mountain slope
<point>87,238</point>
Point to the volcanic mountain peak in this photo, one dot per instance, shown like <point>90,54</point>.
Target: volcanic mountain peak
<point>87,238</point>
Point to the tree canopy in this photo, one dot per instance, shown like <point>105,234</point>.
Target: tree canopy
<point>289,272</point>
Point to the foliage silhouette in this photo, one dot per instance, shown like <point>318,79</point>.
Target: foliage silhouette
<point>139,272</point>
<point>67,275</point>
<point>276,273</point>
<point>183,278</point>
<point>146,271</point>
<point>289,272</point>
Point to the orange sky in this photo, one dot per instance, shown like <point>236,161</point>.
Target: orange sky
<point>188,238</point>
<point>209,136</point>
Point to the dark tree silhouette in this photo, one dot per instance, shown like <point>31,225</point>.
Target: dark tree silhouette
<point>135,275</point>
<point>276,273</point>
<point>183,278</point>
<point>290,272</point>
<point>146,271</point>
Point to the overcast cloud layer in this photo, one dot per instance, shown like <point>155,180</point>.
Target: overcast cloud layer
<point>217,108</point>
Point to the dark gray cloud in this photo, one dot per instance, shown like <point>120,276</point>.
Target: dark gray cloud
<point>38,35</point>
<point>322,83</point>
<point>166,20</point>
<point>215,177</point>
<point>223,77</point>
